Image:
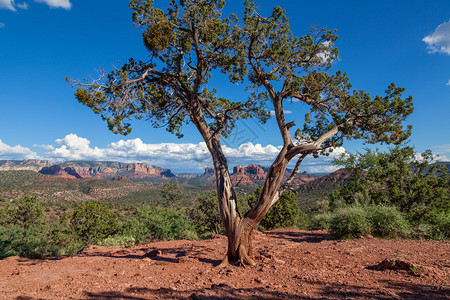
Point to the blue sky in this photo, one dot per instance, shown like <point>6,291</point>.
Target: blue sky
<point>43,41</point>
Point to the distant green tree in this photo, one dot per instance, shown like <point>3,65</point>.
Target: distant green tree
<point>171,192</point>
<point>30,213</point>
<point>282,214</point>
<point>24,229</point>
<point>205,214</point>
<point>167,223</point>
<point>417,187</point>
<point>93,222</point>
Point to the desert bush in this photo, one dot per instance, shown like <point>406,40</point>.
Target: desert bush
<point>350,222</point>
<point>437,228</point>
<point>418,188</point>
<point>93,222</point>
<point>64,239</point>
<point>387,221</point>
<point>122,241</point>
<point>321,221</point>
<point>171,193</point>
<point>167,223</point>
<point>135,228</point>
<point>24,229</point>
<point>205,214</point>
<point>282,214</point>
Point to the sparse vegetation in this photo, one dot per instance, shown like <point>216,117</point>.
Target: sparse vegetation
<point>393,192</point>
<point>390,195</point>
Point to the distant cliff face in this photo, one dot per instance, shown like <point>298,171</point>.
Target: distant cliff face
<point>87,169</point>
<point>30,165</point>
<point>255,175</point>
<point>107,170</point>
<point>328,182</point>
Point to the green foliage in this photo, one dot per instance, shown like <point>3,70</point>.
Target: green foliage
<point>205,214</point>
<point>136,228</point>
<point>93,222</point>
<point>283,214</point>
<point>417,188</point>
<point>377,220</point>
<point>24,229</point>
<point>30,213</point>
<point>121,241</point>
<point>350,222</point>
<point>321,221</point>
<point>167,223</point>
<point>387,221</point>
<point>171,192</point>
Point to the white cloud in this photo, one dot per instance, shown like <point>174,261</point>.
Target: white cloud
<point>22,5</point>
<point>56,3</point>
<point>12,5</point>
<point>2,25</point>
<point>448,83</point>
<point>73,147</point>
<point>185,157</point>
<point>7,4</point>
<point>442,152</point>
<point>286,112</point>
<point>439,40</point>
<point>17,152</point>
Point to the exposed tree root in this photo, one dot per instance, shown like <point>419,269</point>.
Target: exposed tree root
<point>244,258</point>
<point>225,262</point>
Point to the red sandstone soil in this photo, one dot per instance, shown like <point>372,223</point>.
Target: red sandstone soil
<point>291,264</point>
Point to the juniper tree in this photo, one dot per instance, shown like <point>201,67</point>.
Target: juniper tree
<point>190,42</point>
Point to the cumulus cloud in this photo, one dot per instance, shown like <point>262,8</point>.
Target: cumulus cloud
<point>12,5</point>
<point>180,157</point>
<point>439,40</point>
<point>286,112</point>
<point>73,147</point>
<point>22,5</point>
<point>7,4</point>
<point>442,152</point>
<point>448,83</point>
<point>56,3</point>
<point>16,152</point>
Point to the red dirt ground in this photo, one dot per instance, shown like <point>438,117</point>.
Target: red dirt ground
<point>291,264</point>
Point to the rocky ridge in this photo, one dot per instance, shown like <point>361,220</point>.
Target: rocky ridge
<point>27,165</point>
<point>253,175</point>
<point>89,169</point>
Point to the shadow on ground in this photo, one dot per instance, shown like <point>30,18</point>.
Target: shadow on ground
<point>300,237</point>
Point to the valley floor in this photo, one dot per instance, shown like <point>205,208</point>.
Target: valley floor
<point>291,264</point>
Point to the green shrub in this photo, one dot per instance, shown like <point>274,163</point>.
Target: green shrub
<point>30,213</point>
<point>282,214</point>
<point>122,241</point>
<point>442,225</point>
<point>135,228</point>
<point>93,222</point>
<point>17,241</point>
<point>303,221</point>
<point>387,221</point>
<point>10,239</point>
<point>24,229</point>
<point>321,221</point>
<point>64,239</point>
<point>350,222</point>
<point>167,223</point>
<point>205,214</point>
<point>438,228</point>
